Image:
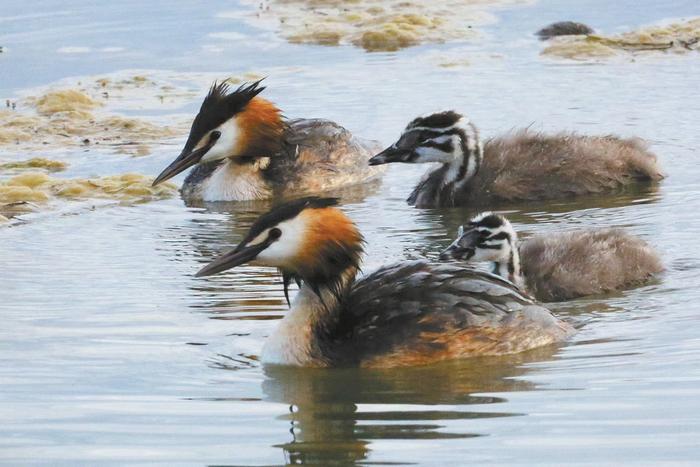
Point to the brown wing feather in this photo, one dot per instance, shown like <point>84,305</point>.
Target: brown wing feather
<point>322,155</point>
<point>418,312</point>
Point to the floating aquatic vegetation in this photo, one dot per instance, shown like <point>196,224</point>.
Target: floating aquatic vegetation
<point>678,37</point>
<point>16,208</point>
<point>378,25</point>
<point>64,118</point>
<point>244,78</point>
<point>65,101</point>
<point>138,91</point>
<point>38,187</point>
<point>35,163</point>
<point>81,112</point>
<point>456,58</point>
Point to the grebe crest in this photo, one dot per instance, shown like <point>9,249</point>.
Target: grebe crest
<point>230,124</point>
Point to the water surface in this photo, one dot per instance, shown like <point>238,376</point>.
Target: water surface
<point>111,352</point>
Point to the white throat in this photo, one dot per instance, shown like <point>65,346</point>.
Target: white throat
<point>455,165</point>
<point>509,267</point>
<point>291,343</point>
<point>236,182</point>
<point>294,341</point>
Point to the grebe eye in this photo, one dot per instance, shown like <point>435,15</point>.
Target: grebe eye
<point>215,135</point>
<point>275,233</point>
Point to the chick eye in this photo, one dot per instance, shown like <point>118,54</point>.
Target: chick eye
<point>275,233</point>
<point>214,135</point>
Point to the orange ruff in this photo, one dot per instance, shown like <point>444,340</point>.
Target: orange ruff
<point>259,122</point>
<point>326,227</point>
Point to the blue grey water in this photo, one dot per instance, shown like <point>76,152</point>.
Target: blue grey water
<point>112,353</point>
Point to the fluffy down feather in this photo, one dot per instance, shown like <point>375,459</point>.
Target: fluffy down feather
<point>586,262</point>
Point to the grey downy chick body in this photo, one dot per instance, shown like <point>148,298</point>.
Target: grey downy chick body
<point>242,149</point>
<point>519,166</point>
<point>557,266</point>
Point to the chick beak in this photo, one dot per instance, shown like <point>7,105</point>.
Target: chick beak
<point>390,154</point>
<point>463,247</point>
<point>184,160</point>
<point>240,255</point>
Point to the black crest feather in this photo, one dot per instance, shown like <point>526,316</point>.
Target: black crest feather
<point>286,211</point>
<point>491,221</point>
<point>220,105</point>
<point>436,120</point>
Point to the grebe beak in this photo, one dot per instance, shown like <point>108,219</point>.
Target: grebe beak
<point>241,255</point>
<point>184,160</point>
<point>463,247</point>
<point>390,154</point>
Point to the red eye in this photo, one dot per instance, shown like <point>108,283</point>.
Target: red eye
<point>275,233</point>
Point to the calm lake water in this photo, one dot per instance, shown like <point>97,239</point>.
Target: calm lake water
<point>111,352</point>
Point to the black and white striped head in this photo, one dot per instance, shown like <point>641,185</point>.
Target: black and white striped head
<point>486,237</point>
<point>445,137</point>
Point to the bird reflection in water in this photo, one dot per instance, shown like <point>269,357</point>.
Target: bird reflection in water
<point>336,414</point>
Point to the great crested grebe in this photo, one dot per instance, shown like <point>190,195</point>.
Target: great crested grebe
<point>411,313</point>
<point>558,266</point>
<point>522,165</point>
<point>243,149</point>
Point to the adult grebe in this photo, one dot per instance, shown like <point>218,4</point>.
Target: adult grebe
<point>523,165</point>
<point>410,313</point>
<point>557,266</point>
<point>243,149</point>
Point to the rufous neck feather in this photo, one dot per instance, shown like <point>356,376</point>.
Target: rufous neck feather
<point>330,254</point>
<point>261,129</point>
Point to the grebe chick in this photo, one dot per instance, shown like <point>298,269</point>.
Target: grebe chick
<point>560,266</point>
<point>243,149</point>
<point>411,313</point>
<point>522,165</point>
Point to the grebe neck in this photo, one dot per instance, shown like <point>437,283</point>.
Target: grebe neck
<point>509,267</point>
<point>317,307</point>
<point>467,154</point>
<point>462,167</point>
<point>237,180</point>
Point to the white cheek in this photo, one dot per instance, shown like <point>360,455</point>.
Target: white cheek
<point>285,248</point>
<point>226,144</point>
<point>432,155</point>
<point>484,254</point>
